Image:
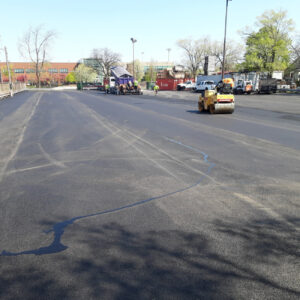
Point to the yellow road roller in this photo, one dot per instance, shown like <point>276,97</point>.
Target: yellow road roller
<point>220,100</point>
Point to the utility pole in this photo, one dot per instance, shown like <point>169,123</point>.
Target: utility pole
<point>224,47</point>
<point>133,41</point>
<point>9,75</point>
<point>169,49</point>
<point>1,75</point>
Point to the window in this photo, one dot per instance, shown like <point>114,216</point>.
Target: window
<point>19,71</point>
<point>52,70</point>
<point>63,71</point>
<point>30,71</point>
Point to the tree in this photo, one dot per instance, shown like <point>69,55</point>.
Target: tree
<point>70,78</point>
<point>85,74</point>
<point>151,74</point>
<point>195,52</point>
<point>35,46</point>
<point>138,69</point>
<point>234,54</point>
<point>106,59</point>
<point>295,48</point>
<point>268,48</point>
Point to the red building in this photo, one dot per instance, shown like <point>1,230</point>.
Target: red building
<point>52,73</point>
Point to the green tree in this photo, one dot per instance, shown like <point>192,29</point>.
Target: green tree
<point>150,74</point>
<point>138,70</point>
<point>85,74</point>
<point>268,48</point>
<point>70,78</point>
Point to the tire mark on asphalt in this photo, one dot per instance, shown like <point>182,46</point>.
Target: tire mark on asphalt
<point>254,203</point>
<point>255,142</point>
<point>19,139</point>
<point>58,229</point>
<point>51,159</point>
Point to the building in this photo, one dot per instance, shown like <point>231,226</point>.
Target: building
<point>52,73</point>
<point>157,66</point>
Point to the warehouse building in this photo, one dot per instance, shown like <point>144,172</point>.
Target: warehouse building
<point>53,73</point>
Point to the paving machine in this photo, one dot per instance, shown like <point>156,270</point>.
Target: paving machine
<point>219,100</point>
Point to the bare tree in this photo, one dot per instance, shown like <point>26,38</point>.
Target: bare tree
<point>234,54</point>
<point>34,46</point>
<point>195,52</point>
<point>295,48</point>
<point>106,59</point>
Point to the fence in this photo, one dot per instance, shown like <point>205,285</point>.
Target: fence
<point>16,87</point>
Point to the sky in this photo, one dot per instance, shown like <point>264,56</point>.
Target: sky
<point>157,25</point>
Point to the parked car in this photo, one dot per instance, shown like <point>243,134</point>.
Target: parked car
<point>188,85</point>
<point>205,85</point>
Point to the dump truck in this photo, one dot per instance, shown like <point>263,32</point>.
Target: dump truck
<point>219,100</point>
<point>123,82</point>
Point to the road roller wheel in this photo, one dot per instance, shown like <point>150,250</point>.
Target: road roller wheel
<point>200,106</point>
<point>212,109</point>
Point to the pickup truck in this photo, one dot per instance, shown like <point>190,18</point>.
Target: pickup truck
<point>188,85</point>
<point>205,85</point>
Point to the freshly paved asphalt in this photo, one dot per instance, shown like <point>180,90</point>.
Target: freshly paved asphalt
<point>142,197</point>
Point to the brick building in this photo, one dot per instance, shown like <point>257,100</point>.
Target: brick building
<point>52,73</point>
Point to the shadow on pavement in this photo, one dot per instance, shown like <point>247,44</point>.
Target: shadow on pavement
<point>114,262</point>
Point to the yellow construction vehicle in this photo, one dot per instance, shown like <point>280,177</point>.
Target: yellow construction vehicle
<point>220,100</point>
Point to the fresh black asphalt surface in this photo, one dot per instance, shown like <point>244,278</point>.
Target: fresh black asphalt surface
<point>142,197</point>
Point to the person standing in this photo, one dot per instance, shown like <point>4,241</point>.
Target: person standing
<point>156,88</point>
<point>106,88</point>
<point>136,84</point>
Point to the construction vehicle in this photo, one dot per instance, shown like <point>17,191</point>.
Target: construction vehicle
<point>122,82</point>
<point>243,87</point>
<point>268,86</point>
<point>219,100</point>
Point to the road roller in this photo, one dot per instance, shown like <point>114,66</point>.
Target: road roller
<point>220,100</point>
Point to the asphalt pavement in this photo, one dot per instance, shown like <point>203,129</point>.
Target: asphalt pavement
<point>142,197</point>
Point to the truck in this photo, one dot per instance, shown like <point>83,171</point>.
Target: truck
<point>243,87</point>
<point>268,85</point>
<point>122,82</point>
<point>188,85</point>
<point>205,85</point>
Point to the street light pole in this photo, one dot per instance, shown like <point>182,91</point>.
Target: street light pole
<point>133,41</point>
<point>169,49</point>
<point>9,75</point>
<point>224,46</point>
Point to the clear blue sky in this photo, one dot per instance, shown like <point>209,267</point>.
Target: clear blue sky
<point>156,24</point>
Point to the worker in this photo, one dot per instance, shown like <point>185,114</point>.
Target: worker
<point>129,85</point>
<point>135,84</point>
<point>117,89</point>
<point>122,89</point>
<point>156,88</point>
<point>106,88</point>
